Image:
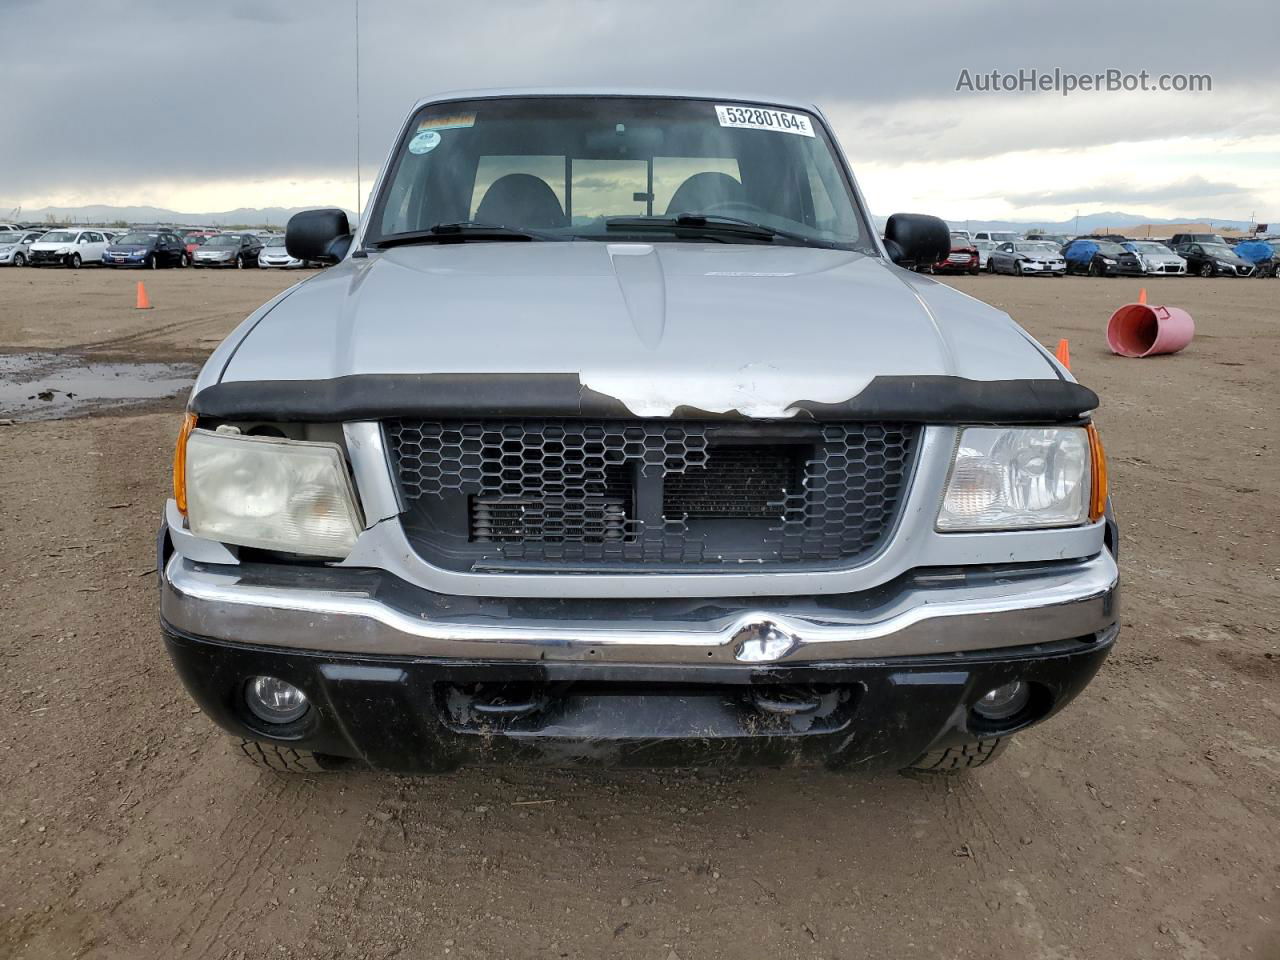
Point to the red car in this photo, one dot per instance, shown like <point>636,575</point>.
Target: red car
<point>194,238</point>
<point>963,257</point>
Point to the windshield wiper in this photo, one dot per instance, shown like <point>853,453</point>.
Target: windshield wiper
<point>464,231</point>
<point>711,225</point>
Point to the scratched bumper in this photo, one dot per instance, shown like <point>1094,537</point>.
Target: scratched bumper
<point>415,715</point>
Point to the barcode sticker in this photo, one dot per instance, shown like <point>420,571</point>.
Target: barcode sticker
<point>764,118</point>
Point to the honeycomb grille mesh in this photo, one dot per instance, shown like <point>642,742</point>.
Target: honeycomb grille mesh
<point>590,493</point>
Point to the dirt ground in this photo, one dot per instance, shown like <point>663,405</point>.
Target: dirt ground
<point>1143,822</point>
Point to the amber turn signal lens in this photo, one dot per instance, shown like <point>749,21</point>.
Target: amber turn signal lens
<point>1098,467</point>
<point>180,462</point>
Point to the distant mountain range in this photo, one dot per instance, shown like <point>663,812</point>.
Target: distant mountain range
<point>1088,223</point>
<point>98,213</point>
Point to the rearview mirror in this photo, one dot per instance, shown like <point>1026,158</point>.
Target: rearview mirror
<point>323,235</point>
<point>916,238</point>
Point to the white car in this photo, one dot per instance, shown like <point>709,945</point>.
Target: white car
<point>14,245</point>
<point>274,254</point>
<point>1156,258</point>
<point>997,236</point>
<point>70,248</point>
<point>984,248</point>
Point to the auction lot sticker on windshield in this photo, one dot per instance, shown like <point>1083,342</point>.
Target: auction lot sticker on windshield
<point>764,118</point>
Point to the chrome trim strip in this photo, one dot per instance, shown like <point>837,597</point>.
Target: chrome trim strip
<point>949,615</point>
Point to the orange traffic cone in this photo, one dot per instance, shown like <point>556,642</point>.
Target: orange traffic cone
<point>1063,353</point>
<point>1142,294</point>
<point>144,302</point>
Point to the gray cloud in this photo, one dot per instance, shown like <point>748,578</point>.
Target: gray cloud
<point>121,92</point>
<point>1192,188</point>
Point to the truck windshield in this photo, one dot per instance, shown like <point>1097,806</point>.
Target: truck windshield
<point>563,167</point>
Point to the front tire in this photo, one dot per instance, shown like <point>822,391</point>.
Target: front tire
<point>272,756</point>
<point>239,263</point>
<point>1206,270</point>
<point>19,260</point>
<point>1093,269</point>
<point>954,760</point>
<point>152,263</point>
<point>74,261</point>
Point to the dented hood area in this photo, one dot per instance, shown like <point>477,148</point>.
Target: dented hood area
<point>756,330</point>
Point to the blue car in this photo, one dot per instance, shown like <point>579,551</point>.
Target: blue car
<point>146,248</point>
<point>1263,254</point>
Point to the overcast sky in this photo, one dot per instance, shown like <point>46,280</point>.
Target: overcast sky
<point>201,106</point>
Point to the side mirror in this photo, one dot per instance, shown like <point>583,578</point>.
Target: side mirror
<point>916,238</point>
<point>323,235</point>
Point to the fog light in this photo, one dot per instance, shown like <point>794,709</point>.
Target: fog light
<point>274,701</point>
<point>1003,702</point>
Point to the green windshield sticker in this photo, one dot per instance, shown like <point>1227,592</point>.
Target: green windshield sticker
<point>424,142</point>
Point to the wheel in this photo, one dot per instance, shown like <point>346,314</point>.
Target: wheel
<point>152,262</point>
<point>286,759</point>
<point>1093,269</point>
<point>955,760</point>
<point>239,263</point>
<point>1206,269</point>
<point>973,271</point>
<point>184,260</point>
<point>74,262</point>
<point>19,260</point>
<point>991,266</point>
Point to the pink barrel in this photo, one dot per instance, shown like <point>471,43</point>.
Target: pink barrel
<point>1144,330</point>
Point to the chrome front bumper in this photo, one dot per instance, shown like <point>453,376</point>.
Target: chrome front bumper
<point>370,612</point>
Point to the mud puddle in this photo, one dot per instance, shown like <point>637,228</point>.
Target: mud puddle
<point>49,386</point>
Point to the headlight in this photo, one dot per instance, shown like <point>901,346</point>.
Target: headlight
<point>266,492</point>
<point>1018,477</point>
<point>1108,260</point>
<point>61,250</point>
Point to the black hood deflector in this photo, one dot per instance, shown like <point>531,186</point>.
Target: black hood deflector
<point>922,399</point>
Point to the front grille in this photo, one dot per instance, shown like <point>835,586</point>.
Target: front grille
<point>586,495</point>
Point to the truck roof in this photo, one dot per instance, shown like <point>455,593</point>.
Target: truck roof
<point>738,97</point>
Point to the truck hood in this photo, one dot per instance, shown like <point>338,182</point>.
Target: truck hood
<point>754,329</point>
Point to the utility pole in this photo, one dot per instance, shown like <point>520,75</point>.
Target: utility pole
<point>359,191</point>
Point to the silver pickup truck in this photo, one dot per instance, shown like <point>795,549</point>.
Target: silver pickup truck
<point>616,435</point>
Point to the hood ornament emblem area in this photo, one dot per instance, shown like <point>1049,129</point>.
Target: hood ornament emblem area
<point>762,641</point>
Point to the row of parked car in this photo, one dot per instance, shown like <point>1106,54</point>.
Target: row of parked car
<point>149,249</point>
<point>1202,254</point>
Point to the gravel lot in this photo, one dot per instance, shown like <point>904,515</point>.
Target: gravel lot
<point>1144,822</point>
